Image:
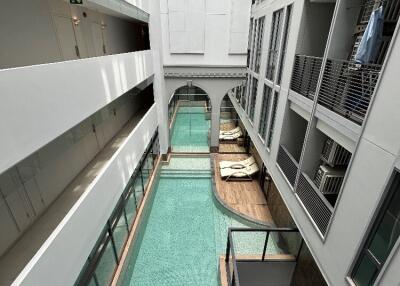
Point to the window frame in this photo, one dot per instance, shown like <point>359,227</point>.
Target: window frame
<point>371,230</point>
<point>265,111</point>
<point>259,44</point>
<point>274,44</point>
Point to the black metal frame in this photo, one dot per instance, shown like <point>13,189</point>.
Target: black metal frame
<point>233,279</point>
<point>374,226</point>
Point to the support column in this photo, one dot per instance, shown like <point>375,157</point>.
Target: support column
<point>160,97</point>
<point>215,115</point>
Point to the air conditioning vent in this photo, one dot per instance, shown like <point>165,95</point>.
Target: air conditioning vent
<point>328,180</point>
<point>335,155</point>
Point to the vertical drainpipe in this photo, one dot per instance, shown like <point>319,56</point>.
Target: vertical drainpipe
<point>159,82</point>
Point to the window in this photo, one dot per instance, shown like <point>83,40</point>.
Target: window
<point>260,31</point>
<point>284,44</point>
<point>272,120</point>
<point>249,42</point>
<point>246,93</point>
<point>266,105</point>
<point>274,44</point>
<point>243,95</point>
<point>383,235</point>
<point>120,232</point>
<point>253,44</point>
<point>253,97</point>
<point>107,263</point>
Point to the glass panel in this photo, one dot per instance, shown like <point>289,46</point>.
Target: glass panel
<point>120,234</point>
<point>260,32</point>
<point>138,188</point>
<point>384,234</point>
<point>265,111</point>
<point>106,266</point>
<point>274,44</point>
<point>92,282</point>
<point>273,116</point>
<point>147,169</point>
<point>284,44</point>
<point>130,208</point>
<point>253,98</point>
<point>388,230</point>
<point>365,272</point>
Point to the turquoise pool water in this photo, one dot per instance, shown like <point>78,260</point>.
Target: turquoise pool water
<point>186,230</point>
<point>190,130</point>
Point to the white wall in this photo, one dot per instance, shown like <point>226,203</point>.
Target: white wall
<point>55,97</point>
<point>61,258</point>
<point>205,32</point>
<point>33,184</point>
<point>42,31</point>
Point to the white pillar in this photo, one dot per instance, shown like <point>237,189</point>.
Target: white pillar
<point>159,82</point>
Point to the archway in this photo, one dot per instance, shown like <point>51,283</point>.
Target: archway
<point>232,134</point>
<point>189,113</point>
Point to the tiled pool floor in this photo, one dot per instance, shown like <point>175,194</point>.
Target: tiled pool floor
<point>190,130</point>
<point>186,230</point>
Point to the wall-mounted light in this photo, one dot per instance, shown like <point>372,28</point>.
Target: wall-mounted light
<point>75,20</point>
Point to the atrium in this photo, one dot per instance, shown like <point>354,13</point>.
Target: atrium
<point>199,142</point>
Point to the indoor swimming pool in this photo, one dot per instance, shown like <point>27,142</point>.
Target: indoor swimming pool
<point>190,130</point>
<point>185,230</point>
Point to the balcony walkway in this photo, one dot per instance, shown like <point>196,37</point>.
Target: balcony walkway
<point>15,259</point>
<point>242,197</point>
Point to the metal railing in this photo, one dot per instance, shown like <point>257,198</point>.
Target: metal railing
<point>288,164</point>
<point>305,75</point>
<point>315,203</point>
<point>293,245</point>
<point>347,88</point>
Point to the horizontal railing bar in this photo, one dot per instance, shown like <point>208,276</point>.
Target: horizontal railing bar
<point>268,229</point>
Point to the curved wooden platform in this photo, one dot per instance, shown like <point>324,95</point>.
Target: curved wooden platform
<point>244,198</point>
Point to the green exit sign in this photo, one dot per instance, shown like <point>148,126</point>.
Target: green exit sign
<point>76,1</point>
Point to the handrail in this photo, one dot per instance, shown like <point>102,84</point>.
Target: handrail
<point>233,278</point>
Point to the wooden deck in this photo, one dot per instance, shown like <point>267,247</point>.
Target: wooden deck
<point>230,148</point>
<point>244,197</point>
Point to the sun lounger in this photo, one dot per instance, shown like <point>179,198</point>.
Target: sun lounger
<point>237,164</point>
<point>239,174</point>
<point>230,132</point>
<point>233,136</point>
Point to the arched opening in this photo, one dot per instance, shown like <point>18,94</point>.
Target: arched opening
<point>189,113</point>
<point>232,134</point>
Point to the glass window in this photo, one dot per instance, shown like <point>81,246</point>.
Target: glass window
<point>284,44</point>
<point>273,118</point>
<point>266,105</point>
<point>138,188</point>
<point>383,236</point>
<point>246,92</point>
<point>120,233</point>
<point>92,282</point>
<point>274,44</point>
<point>147,169</point>
<point>253,44</point>
<point>260,31</point>
<point>253,97</point>
<point>107,264</point>
<point>249,42</point>
<point>130,208</point>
